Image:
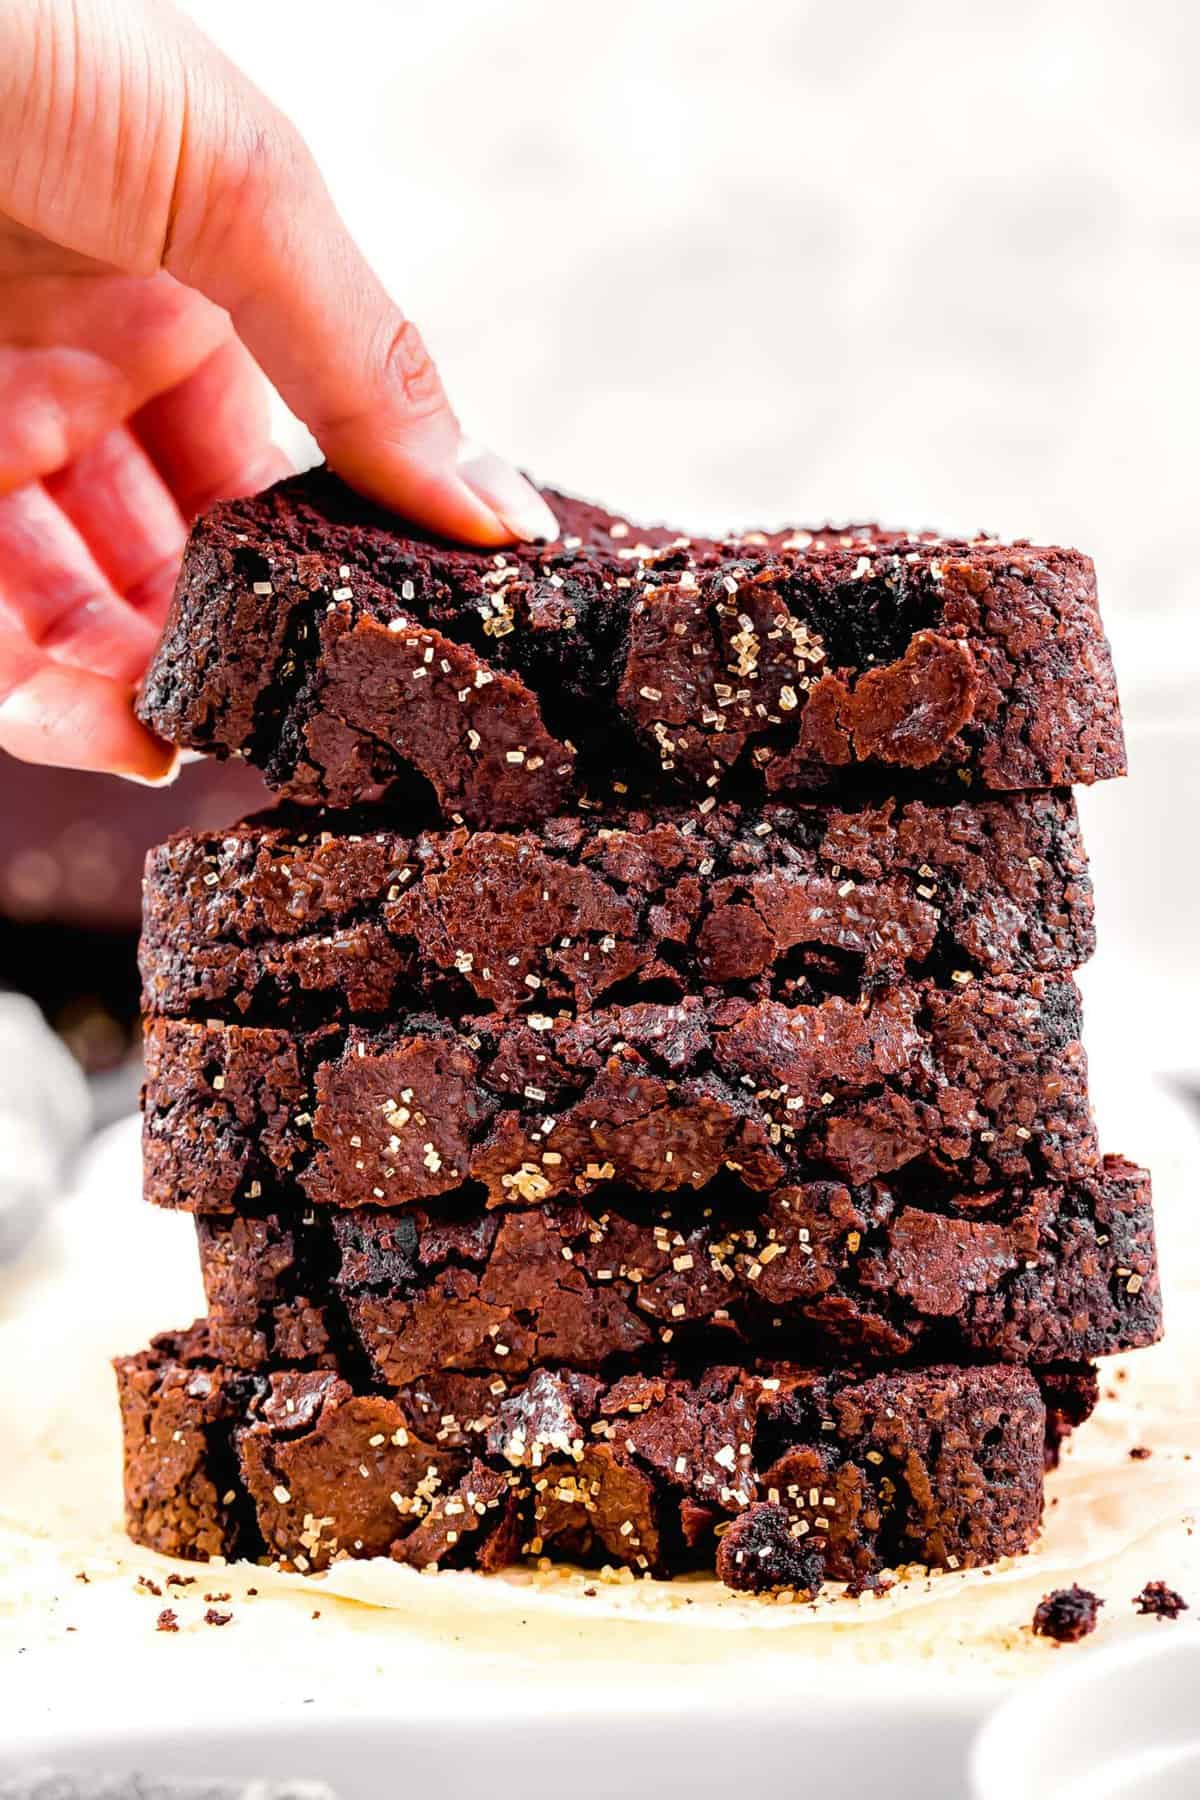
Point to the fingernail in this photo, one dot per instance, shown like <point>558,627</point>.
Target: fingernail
<point>515,501</point>
<point>173,762</point>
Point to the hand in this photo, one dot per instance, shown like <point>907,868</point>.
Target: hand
<point>162,228</point>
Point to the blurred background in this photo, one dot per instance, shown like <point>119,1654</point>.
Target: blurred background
<point>923,261</point>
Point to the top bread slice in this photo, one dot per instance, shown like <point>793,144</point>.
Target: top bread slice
<point>352,658</point>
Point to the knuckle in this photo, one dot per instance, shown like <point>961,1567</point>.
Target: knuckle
<point>276,150</point>
<point>258,159</point>
<point>242,167</point>
<point>18,662</point>
<point>407,363</point>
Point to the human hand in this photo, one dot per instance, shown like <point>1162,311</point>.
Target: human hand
<point>162,229</point>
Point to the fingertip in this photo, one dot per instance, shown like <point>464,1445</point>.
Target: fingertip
<point>70,718</point>
<point>427,491</point>
<point>506,492</point>
<point>474,498</point>
<point>157,765</point>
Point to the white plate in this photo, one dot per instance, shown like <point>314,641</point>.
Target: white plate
<point>779,1750</point>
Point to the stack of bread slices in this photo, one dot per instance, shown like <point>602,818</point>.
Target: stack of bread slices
<point>630,1093</point>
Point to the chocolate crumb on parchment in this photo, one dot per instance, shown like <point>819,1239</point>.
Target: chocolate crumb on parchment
<point>168,1620</point>
<point>763,1549</point>
<point>1067,1614</point>
<point>1159,1601</point>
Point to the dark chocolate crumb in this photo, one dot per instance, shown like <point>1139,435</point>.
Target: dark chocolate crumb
<point>82,1575</point>
<point>213,1617</point>
<point>1067,1614</point>
<point>149,1587</point>
<point>1159,1601</point>
<point>211,1597</point>
<point>317,1614</point>
<point>1141,1453</point>
<point>168,1620</point>
<point>864,1583</point>
<point>181,1581</point>
<point>760,1554</point>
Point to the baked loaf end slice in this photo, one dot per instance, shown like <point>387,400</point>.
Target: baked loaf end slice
<point>782,1477</point>
<point>326,916</point>
<point>346,654</point>
<point>815,1271</point>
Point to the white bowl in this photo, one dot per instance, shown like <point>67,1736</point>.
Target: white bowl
<point>1117,1724</point>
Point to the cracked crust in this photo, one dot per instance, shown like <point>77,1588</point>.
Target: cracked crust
<point>284,920</point>
<point>975,1087</point>
<point>350,658</point>
<point>940,1466</point>
<point>816,1271</point>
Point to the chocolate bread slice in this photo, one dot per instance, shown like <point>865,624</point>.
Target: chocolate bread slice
<point>782,1476</point>
<point>977,1086</point>
<point>284,920</point>
<point>352,658</point>
<point>811,1272</point>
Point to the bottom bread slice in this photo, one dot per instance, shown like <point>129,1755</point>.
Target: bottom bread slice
<point>781,1476</point>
